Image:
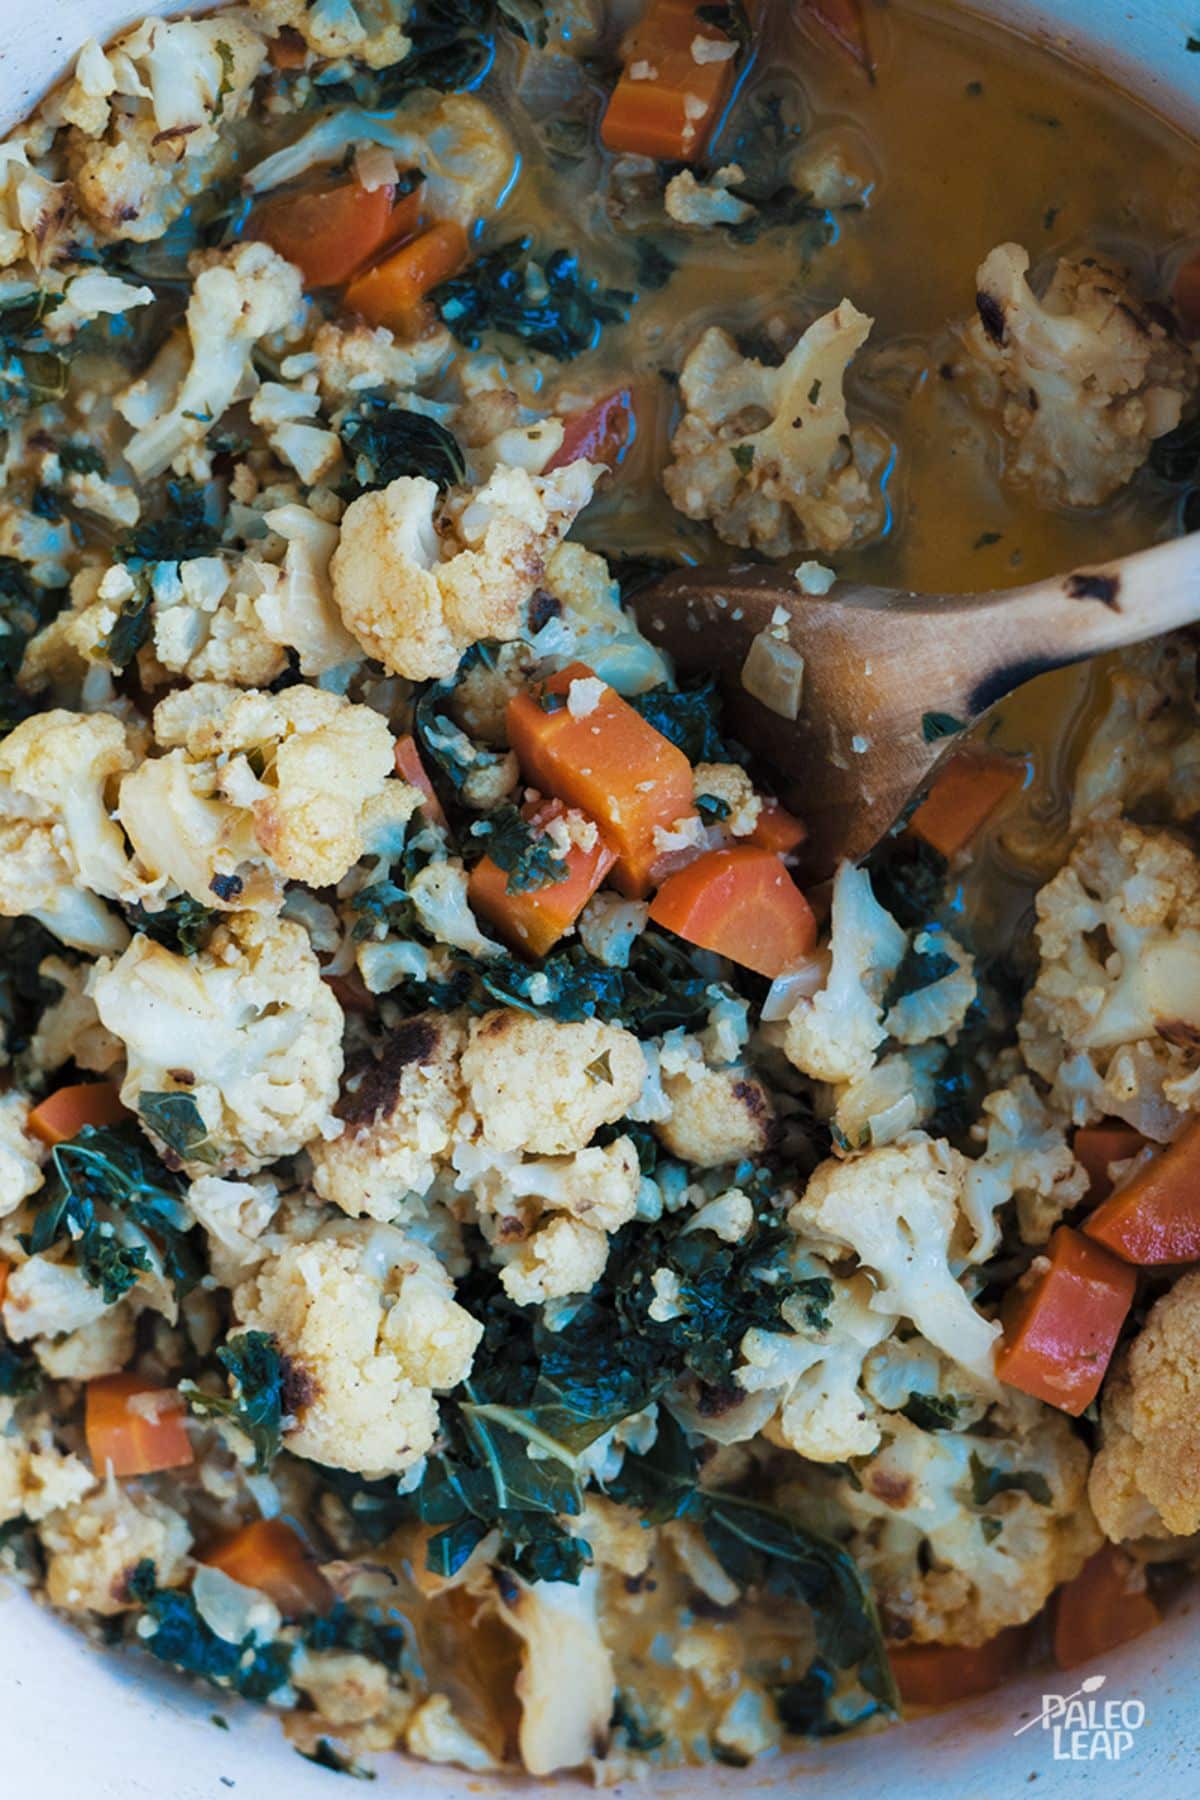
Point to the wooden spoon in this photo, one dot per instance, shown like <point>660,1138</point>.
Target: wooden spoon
<point>877,663</point>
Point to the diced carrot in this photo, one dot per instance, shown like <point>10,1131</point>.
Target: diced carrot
<point>1097,1147</point>
<point>390,293</point>
<point>134,1426</point>
<point>1185,294</point>
<point>741,903</point>
<point>1062,1322</point>
<point>270,1556</point>
<point>602,432</point>
<point>1155,1217</point>
<point>608,762</point>
<point>532,922</point>
<point>330,233</point>
<point>777,829</point>
<point>666,103</point>
<point>967,790</point>
<point>4,1269</point>
<point>1105,1605</point>
<point>288,50</point>
<point>64,1113</point>
<point>845,22</point>
<point>410,767</point>
<point>937,1674</point>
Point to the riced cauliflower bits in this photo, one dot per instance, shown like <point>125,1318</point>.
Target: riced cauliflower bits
<point>768,454</point>
<point>417,586</point>
<point>370,1325</point>
<point>246,1028</point>
<point>1084,379</point>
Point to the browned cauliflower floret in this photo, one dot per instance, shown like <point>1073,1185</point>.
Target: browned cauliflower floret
<point>354,358</point>
<point>565,1256</point>
<point>416,586</point>
<point>36,1477</point>
<point>35,212</point>
<point>1084,379</point>
<point>1145,1480</point>
<point>1146,745</point>
<point>151,118</point>
<point>400,1109</point>
<point>547,1086</point>
<point>768,454</point>
<point>716,1115</point>
<point>370,31</point>
<point>369,1323</point>
<point>246,1028</point>
<point>93,1547</point>
<point>1112,1020</point>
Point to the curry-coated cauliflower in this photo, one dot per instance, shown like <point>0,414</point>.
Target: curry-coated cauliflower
<point>400,1108</point>
<point>768,454</point>
<point>1146,745</point>
<point>151,118</point>
<point>417,586</point>
<point>246,1028</point>
<point>239,297</point>
<point>21,1156</point>
<point>93,1547</point>
<point>369,1323</point>
<point>36,1477</point>
<point>594,626</point>
<point>565,1256</point>
<point>1111,1022</point>
<point>313,773</point>
<point>1083,379</point>
<point>370,31</point>
<point>1145,1481</point>
<point>59,846</point>
<point>962,1535</point>
<point>716,1115</point>
<point>834,1036</point>
<point>354,358</point>
<point>547,1086</point>
<point>899,1211</point>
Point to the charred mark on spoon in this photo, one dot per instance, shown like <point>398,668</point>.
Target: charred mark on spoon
<point>1104,588</point>
<point>1000,682</point>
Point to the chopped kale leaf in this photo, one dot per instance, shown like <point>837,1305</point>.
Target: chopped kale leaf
<point>987,1481</point>
<point>182,924</point>
<point>178,1121</point>
<point>383,442</point>
<point>186,526</point>
<point>257,1400</point>
<point>931,1412</point>
<point>366,1633</point>
<point>558,310</point>
<point>690,716</point>
<point>183,1639</point>
<point>527,856</point>
<point>918,969</point>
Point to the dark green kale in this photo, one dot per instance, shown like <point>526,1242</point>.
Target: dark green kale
<point>81,459</point>
<point>769,131</point>
<point>931,1412</point>
<point>131,628</point>
<point>328,1756</point>
<point>24,609</point>
<point>711,807</point>
<point>24,993</point>
<point>185,524</point>
<point>527,856</point>
<point>452,50</point>
<point>654,267</point>
<point>383,442</point>
<point>728,16</point>
<point>561,311</point>
<point>257,1400</point>
<point>690,716</point>
<point>183,1639</point>
<point>918,969</point>
<point>909,880</point>
<point>19,1371</point>
<point>659,990</point>
<point>182,924</point>
<point>629,1718</point>
<point>526,19</point>
<point>987,1481</point>
<point>1175,457</point>
<point>367,1633</point>
<point>178,1121</point>
<point>30,370</point>
<point>103,1182</point>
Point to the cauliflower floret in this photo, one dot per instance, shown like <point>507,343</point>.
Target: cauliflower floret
<point>595,627</point>
<point>353,359</point>
<point>564,1257</point>
<point>1146,745</point>
<point>962,1535</point>
<point>834,1036</point>
<point>1113,1019</point>
<point>439,899</point>
<point>1083,379</point>
<point>545,1086</point>
<point>562,1724</point>
<point>93,295</point>
<point>768,454</point>
<point>599,1184</point>
<point>707,203</point>
<point>895,1096</point>
<point>1145,1481</point>
<point>69,1030</point>
<point>151,118</point>
<point>59,847</point>
<point>327,792</point>
<point>21,1156</point>
<point>401,1112</point>
<point>729,782</point>
<point>247,1028</point>
<point>102,1348</point>
<point>416,593</point>
<point>1026,1157</point>
<point>36,1477</point>
<point>295,607</point>
<point>239,297</point>
<point>936,1010</point>
<point>369,1322</point>
<point>716,1115</point>
<point>235,1216</point>
<point>93,1547</point>
<point>899,1210</point>
<point>35,213</point>
<point>44,1298</point>
<point>369,31</point>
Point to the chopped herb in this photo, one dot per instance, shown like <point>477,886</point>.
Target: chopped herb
<point>654,267</point>
<point>991,1528</point>
<point>974,89</point>
<point>257,1401</point>
<point>935,725</point>
<point>1193,44</point>
<point>131,628</point>
<point>19,1373</point>
<point>24,609</point>
<point>1050,217</point>
<point>362,1633</point>
<point>814,393</point>
<point>182,924</point>
<point>987,1482</point>
<point>383,442</point>
<point>561,313</point>
<point>601,1069</point>
<point>711,806</point>
<point>527,856</point>
<point>178,1121</point>
<point>743,456</point>
<point>629,1718</point>
<point>931,1412</point>
<point>81,459</point>
<point>728,16</point>
<point>228,65</point>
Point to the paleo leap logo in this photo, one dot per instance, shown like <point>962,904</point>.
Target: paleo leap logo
<point>1085,1730</point>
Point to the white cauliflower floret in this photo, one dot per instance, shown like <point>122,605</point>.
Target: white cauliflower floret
<point>416,591</point>
<point>21,1156</point>
<point>295,607</point>
<point>93,1547</point>
<point>36,1477</point>
<point>1146,745</point>
<point>716,1116</point>
<point>35,212</point>
<point>816,1368</point>
<point>547,1086</point>
<point>151,118</point>
<point>400,1111</point>
<point>369,1323</point>
<point>707,203</point>
<point>1112,1021</point>
<point>327,792</point>
<point>238,298</point>
<point>563,1725</point>
<point>92,295</point>
<point>834,1036</point>
<point>1145,1481</point>
<point>247,1028</point>
<point>369,31</point>
<point>564,1257</point>
<point>595,627</point>
<point>1084,379</point>
<point>102,1348</point>
<point>235,1216</point>
<point>205,625</point>
<point>899,1211</point>
<point>439,899</point>
<point>729,783</point>
<point>1027,1158</point>
<point>59,847</point>
<point>768,454</point>
<point>69,1030</point>
<point>599,1184</point>
<point>895,1096</point>
<point>356,358</point>
<point>961,1536</point>
<point>936,1010</point>
<point>44,1298</point>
